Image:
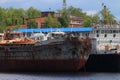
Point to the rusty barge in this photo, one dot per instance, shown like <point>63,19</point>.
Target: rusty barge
<point>20,53</point>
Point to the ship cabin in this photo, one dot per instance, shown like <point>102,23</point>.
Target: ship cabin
<point>1,36</point>
<point>38,36</point>
<point>108,38</point>
<point>15,38</point>
<point>55,35</point>
<point>12,35</point>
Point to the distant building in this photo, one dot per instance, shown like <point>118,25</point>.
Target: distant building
<point>45,14</point>
<point>40,21</point>
<point>75,21</point>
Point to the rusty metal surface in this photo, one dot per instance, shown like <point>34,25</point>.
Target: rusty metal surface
<point>66,65</point>
<point>70,53</point>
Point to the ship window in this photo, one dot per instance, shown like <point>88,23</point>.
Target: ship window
<point>114,35</point>
<point>87,34</point>
<point>102,31</point>
<point>97,31</point>
<point>97,35</point>
<point>110,31</point>
<point>105,35</point>
<point>107,31</point>
<point>114,31</point>
<point>117,31</point>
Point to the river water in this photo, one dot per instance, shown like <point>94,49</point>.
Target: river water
<point>59,76</point>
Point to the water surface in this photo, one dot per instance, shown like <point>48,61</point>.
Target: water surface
<point>59,76</point>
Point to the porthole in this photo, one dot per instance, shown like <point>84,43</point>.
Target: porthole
<point>105,35</point>
<point>114,35</point>
<point>97,35</point>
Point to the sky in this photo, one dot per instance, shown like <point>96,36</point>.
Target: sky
<point>89,6</point>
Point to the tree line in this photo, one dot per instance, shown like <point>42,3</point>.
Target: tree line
<point>104,16</point>
<point>12,16</point>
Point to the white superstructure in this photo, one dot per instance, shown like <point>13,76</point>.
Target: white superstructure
<point>107,37</point>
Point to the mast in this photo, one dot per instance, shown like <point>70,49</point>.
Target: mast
<point>64,4</point>
<point>104,13</point>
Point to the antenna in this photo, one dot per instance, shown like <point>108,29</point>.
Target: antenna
<point>104,13</point>
<point>64,3</point>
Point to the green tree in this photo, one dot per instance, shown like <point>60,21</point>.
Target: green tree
<point>95,18</point>
<point>52,21</point>
<point>106,16</point>
<point>15,16</point>
<point>64,19</point>
<point>2,19</point>
<point>32,24</point>
<point>11,16</point>
<point>87,22</point>
<point>76,11</point>
<point>33,13</point>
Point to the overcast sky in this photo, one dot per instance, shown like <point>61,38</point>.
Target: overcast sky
<point>89,6</point>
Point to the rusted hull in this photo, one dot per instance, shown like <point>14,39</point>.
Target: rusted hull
<point>68,54</point>
<point>37,65</point>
